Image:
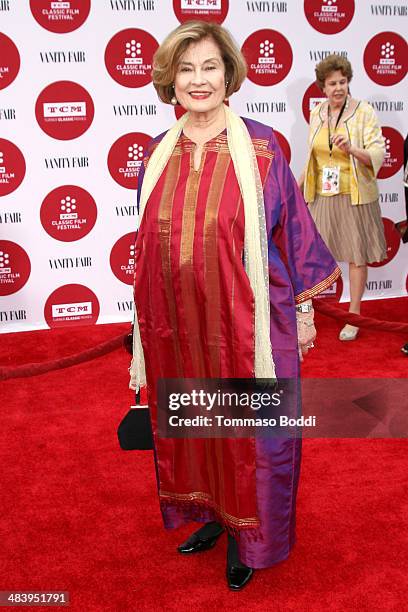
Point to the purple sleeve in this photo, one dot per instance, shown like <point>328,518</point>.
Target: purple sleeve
<point>310,266</point>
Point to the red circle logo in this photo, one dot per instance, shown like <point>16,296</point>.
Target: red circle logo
<point>393,241</point>
<point>9,61</point>
<point>126,157</point>
<point>129,57</point>
<point>284,145</point>
<point>313,96</point>
<point>394,153</point>
<point>204,10</point>
<point>385,58</point>
<point>122,258</point>
<point>269,57</point>
<point>329,16</point>
<point>64,110</point>
<point>15,267</point>
<point>60,17</point>
<point>12,167</point>
<point>71,305</point>
<point>68,213</point>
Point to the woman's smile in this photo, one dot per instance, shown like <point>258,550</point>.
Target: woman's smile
<point>200,95</point>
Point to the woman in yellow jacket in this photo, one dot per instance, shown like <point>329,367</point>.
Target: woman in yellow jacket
<point>346,151</point>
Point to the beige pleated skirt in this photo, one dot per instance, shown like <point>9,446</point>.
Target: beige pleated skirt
<point>353,233</point>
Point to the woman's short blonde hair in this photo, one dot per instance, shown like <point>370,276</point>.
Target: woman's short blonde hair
<point>330,64</point>
<point>167,56</point>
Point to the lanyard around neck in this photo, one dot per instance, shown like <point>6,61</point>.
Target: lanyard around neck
<point>337,123</point>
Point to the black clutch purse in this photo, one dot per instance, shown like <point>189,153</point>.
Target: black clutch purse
<point>135,429</point>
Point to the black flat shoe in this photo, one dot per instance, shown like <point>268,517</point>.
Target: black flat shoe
<point>203,539</point>
<point>238,574</point>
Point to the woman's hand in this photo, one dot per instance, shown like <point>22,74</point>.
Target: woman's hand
<point>306,332</point>
<point>342,142</point>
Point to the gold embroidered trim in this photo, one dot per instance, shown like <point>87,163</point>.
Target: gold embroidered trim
<point>324,284</point>
<point>217,144</point>
<point>205,499</point>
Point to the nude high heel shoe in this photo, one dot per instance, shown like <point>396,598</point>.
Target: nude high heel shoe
<point>349,332</point>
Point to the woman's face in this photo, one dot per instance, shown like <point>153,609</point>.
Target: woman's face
<point>336,88</point>
<point>200,79</point>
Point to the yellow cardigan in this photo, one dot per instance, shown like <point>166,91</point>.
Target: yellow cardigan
<point>364,132</point>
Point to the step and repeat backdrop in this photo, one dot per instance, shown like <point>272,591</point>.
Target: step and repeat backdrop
<point>77,108</point>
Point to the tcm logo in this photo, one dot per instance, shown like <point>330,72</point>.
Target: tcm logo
<point>125,158</point>
<point>68,213</point>
<point>4,263</point>
<point>207,10</point>
<point>133,52</point>
<point>329,16</point>
<point>269,57</point>
<point>209,5</point>
<point>266,53</point>
<point>60,5</point>
<point>135,156</point>
<point>64,109</point>
<point>387,52</point>
<point>71,310</point>
<point>329,6</point>
<point>67,206</point>
<point>385,58</point>
<point>129,57</point>
<point>71,305</point>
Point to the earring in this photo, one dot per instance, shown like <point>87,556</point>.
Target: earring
<point>174,100</point>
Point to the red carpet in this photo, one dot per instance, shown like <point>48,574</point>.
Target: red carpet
<point>79,514</point>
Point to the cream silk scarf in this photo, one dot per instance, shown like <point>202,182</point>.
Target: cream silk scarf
<point>255,242</point>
